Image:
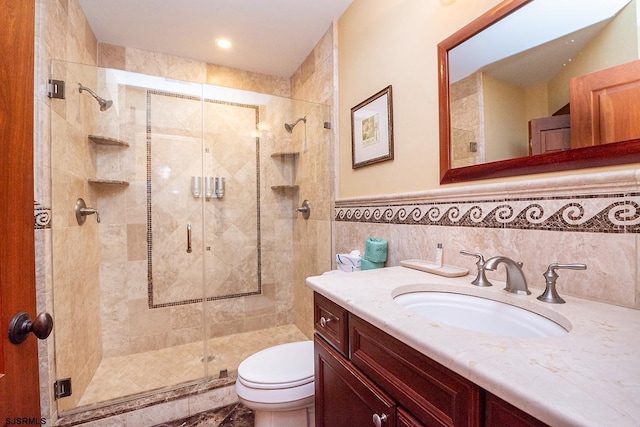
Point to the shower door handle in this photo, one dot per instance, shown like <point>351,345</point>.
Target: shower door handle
<point>188,237</point>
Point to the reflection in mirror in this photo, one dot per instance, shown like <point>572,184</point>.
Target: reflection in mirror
<point>510,71</point>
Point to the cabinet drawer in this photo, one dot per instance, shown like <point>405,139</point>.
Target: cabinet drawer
<point>331,323</point>
<point>432,393</point>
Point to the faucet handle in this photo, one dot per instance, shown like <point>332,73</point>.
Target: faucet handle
<point>480,280</point>
<point>550,294</point>
<point>575,266</point>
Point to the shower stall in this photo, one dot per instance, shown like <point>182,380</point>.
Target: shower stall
<point>186,268</point>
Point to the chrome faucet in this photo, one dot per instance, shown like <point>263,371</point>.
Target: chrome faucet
<point>516,282</point>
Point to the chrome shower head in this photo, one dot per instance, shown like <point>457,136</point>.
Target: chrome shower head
<point>104,103</point>
<point>289,126</point>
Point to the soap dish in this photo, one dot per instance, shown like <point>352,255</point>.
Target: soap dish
<point>429,267</point>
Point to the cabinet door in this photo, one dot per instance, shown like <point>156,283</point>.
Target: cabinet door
<point>433,393</point>
<point>405,419</point>
<point>499,413</point>
<point>344,397</point>
<point>605,106</point>
<point>549,134</point>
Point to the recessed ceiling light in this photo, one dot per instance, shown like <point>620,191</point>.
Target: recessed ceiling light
<point>223,43</point>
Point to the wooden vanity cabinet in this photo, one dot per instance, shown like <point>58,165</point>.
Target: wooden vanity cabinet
<point>362,373</point>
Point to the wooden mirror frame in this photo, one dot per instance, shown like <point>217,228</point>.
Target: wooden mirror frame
<point>617,153</point>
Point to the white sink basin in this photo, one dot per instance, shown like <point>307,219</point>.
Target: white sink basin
<point>479,314</point>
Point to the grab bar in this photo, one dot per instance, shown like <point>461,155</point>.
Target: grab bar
<point>188,237</point>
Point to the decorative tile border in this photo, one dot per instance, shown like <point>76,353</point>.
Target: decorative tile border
<point>601,213</point>
<point>41,216</point>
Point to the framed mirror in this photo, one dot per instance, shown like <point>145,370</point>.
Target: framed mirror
<point>515,67</point>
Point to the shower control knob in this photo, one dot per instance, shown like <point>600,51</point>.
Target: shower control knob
<point>305,209</point>
<point>379,419</point>
<point>21,325</point>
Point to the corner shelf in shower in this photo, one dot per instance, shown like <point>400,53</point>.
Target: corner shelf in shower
<point>285,187</point>
<point>285,154</point>
<point>289,157</point>
<point>111,183</point>
<point>105,140</point>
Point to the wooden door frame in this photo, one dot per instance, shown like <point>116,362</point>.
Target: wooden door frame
<point>19,373</point>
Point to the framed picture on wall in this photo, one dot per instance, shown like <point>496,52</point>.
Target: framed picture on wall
<point>372,130</point>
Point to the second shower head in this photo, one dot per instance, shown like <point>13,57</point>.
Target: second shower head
<point>289,126</point>
<point>104,103</point>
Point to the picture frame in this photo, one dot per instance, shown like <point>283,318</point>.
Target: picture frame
<point>372,130</point>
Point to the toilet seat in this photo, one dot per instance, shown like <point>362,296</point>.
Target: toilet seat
<point>284,373</point>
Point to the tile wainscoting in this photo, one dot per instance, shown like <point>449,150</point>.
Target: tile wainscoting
<point>591,218</point>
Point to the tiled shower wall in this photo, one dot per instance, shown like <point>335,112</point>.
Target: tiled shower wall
<point>62,33</point>
<point>314,82</point>
<point>467,121</point>
<point>590,218</point>
<point>76,290</point>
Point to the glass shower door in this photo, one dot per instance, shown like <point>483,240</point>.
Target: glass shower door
<point>175,197</point>
<point>127,294</point>
<point>200,257</point>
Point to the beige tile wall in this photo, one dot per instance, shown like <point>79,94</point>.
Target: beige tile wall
<point>467,123</point>
<point>62,166</point>
<point>604,202</point>
<point>313,81</point>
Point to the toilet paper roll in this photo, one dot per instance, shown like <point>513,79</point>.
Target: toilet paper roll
<point>365,264</point>
<point>375,250</point>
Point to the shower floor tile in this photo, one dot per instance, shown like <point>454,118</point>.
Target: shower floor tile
<point>123,376</point>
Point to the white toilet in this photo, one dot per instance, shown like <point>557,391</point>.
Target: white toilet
<point>278,384</point>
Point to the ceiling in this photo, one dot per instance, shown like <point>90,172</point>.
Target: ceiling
<point>268,36</point>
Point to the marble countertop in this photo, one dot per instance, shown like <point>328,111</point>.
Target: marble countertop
<point>588,377</point>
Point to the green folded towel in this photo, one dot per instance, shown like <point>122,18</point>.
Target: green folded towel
<point>365,264</point>
<point>375,250</point>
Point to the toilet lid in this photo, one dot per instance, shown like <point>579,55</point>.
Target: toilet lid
<point>286,365</point>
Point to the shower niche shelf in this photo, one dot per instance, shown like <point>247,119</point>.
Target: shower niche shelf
<point>288,161</point>
<point>285,154</point>
<point>107,141</point>
<point>108,183</point>
<point>285,187</point>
